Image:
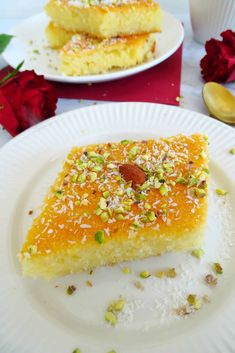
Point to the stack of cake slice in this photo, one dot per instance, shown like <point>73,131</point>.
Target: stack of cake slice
<point>95,36</point>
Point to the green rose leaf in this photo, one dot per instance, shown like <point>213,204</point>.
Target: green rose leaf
<point>4,41</point>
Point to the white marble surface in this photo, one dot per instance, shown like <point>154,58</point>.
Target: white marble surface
<point>191,84</point>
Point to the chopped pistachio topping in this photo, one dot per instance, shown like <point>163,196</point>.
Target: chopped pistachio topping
<point>106,194</point>
<point>181,180</point>
<point>120,217</point>
<point>221,192</point>
<point>217,268</point>
<point>206,170</point>
<point>203,155</point>
<point>103,203</point>
<point>232,151</point>
<point>171,273</point>
<point>125,142</point>
<point>111,166</point>
<point>150,216</point>
<point>147,206</point>
<point>111,318</point>
<point>192,181</point>
<point>59,194</point>
<point>144,274</point>
<point>198,253</point>
<point>211,280</point>
<point>117,305</point>
<point>74,178</point>
<point>71,289</point>
<point>194,301</point>
<point>160,274</point>
<point>119,210</point>
<point>163,190</point>
<point>126,270</point>
<point>82,178</point>
<point>112,351</point>
<point>104,216</point>
<point>99,236</point>
<point>98,211</point>
<point>133,152</point>
<point>93,176</point>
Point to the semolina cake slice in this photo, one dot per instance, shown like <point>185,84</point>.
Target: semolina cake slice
<point>56,36</point>
<point>106,18</point>
<point>120,201</point>
<point>85,55</point>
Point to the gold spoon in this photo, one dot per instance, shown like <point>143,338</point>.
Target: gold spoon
<point>219,101</point>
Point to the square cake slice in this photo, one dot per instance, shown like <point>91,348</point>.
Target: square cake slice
<point>120,201</point>
<point>106,18</point>
<point>85,55</point>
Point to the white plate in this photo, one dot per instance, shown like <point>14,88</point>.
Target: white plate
<point>35,316</point>
<point>46,61</point>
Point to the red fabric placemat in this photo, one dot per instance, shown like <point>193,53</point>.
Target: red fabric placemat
<point>160,84</point>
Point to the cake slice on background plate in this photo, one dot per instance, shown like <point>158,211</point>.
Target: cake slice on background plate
<point>120,201</point>
<point>106,18</point>
<point>85,55</point>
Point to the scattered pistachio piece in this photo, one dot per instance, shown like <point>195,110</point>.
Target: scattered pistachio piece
<point>183,310</point>
<point>99,236</point>
<point>232,151</point>
<point>126,270</point>
<point>206,298</point>
<point>138,285</point>
<point>112,352</point>
<point>89,284</point>
<point>221,192</point>
<point>117,305</point>
<point>76,350</point>
<point>144,274</point>
<point>199,193</point>
<point>160,274</point>
<point>198,253</point>
<point>111,318</point>
<point>211,280</point>
<point>74,178</point>
<point>194,301</point>
<point>171,273</point>
<point>71,289</point>
<point>217,268</point>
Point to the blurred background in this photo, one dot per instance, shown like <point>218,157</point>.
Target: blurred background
<point>24,8</point>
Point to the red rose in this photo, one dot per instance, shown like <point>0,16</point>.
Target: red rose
<point>25,100</point>
<point>218,64</point>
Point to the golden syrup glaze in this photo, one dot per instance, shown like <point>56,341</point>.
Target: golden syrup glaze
<point>83,43</point>
<point>91,186</point>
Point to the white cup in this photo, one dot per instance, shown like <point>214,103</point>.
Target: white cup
<point>211,17</point>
